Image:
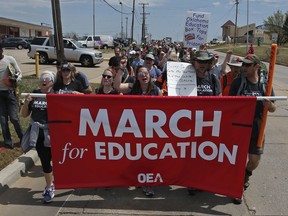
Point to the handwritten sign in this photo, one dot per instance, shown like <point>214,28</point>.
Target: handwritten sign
<point>196,29</point>
<point>181,79</point>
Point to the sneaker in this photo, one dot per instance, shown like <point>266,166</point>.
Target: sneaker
<point>246,180</point>
<point>193,191</point>
<point>52,187</point>
<point>148,191</point>
<point>49,195</point>
<point>237,201</point>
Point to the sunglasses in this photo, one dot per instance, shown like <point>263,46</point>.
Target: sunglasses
<point>247,65</point>
<point>202,62</point>
<point>45,79</point>
<point>145,73</point>
<point>66,71</point>
<point>106,76</point>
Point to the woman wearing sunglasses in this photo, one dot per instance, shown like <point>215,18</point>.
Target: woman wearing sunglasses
<point>106,85</point>
<point>37,134</point>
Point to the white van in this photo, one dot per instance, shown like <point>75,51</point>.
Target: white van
<point>104,41</point>
<point>107,41</point>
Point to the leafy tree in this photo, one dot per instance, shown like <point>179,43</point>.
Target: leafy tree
<point>277,23</point>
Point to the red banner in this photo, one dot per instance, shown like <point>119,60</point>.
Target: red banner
<point>114,141</point>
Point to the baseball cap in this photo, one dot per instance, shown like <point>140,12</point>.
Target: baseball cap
<point>150,56</point>
<point>66,67</point>
<point>251,58</point>
<point>132,52</point>
<point>235,61</point>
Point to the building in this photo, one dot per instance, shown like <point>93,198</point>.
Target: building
<point>15,28</point>
<point>254,33</point>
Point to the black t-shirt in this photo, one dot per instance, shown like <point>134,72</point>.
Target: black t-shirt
<point>208,86</point>
<point>74,85</point>
<point>38,108</point>
<point>250,89</point>
<point>100,91</point>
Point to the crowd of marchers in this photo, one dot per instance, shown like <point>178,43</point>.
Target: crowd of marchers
<point>138,70</point>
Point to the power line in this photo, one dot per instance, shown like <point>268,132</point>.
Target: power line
<point>115,8</point>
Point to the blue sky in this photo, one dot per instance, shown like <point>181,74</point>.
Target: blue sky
<point>166,17</point>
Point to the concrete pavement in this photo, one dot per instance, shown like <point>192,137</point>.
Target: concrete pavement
<point>22,184</point>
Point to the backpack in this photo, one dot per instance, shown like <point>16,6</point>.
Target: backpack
<point>262,81</point>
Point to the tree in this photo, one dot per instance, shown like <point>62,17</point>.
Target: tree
<point>72,35</point>
<point>276,24</point>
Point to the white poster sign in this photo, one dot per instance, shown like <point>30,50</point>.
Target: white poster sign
<point>196,29</point>
<point>181,79</point>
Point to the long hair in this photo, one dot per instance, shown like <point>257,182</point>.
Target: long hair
<point>136,90</point>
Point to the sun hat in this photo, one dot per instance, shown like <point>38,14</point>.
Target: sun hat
<point>203,56</point>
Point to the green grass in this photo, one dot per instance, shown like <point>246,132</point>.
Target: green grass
<point>263,52</point>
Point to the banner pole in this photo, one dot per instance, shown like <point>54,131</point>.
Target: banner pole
<point>34,95</point>
<point>268,93</point>
<point>274,98</point>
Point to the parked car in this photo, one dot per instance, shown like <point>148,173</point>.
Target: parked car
<point>121,42</point>
<point>73,51</point>
<point>15,42</point>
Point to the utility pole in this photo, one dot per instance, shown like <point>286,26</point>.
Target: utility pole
<point>58,36</point>
<point>126,35</point>
<point>143,38</point>
<point>235,31</point>
<point>94,45</point>
<point>132,27</point>
<point>121,20</point>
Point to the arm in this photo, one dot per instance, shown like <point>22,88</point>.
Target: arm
<point>121,87</point>
<point>227,59</point>
<point>25,112</point>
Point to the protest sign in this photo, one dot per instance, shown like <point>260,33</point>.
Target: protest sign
<point>196,29</point>
<point>181,79</point>
<point>114,141</point>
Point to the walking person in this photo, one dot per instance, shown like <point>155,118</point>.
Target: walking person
<point>143,86</point>
<point>36,108</point>
<point>227,79</point>
<point>66,83</point>
<point>10,75</point>
<point>106,85</point>
<point>251,83</point>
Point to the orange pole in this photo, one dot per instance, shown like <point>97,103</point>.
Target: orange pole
<point>268,93</point>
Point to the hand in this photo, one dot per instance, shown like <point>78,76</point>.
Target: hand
<point>269,105</point>
<point>28,98</point>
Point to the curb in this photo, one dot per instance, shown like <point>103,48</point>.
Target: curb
<point>15,170</point>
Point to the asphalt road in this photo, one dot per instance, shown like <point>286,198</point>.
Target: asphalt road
<point>267,194</point>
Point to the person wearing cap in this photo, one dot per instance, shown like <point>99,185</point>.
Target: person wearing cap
<point>235,68</point>
<point>207,83</point>
<point>80,76</point>
<point>36,108</point>
<point>219,69</point>
<point>10,74</point>
<point>251,83</point>
<point>149,64</point>
<point>137,61</point>
<point>66,83</point>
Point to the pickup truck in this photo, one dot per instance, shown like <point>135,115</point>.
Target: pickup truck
<point>73,51</point>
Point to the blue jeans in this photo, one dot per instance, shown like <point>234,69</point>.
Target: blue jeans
<point>9,108</point>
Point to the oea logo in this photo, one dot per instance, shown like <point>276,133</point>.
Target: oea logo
<point>149,178</point>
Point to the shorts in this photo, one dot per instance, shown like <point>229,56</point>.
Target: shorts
<point>253,149</point>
